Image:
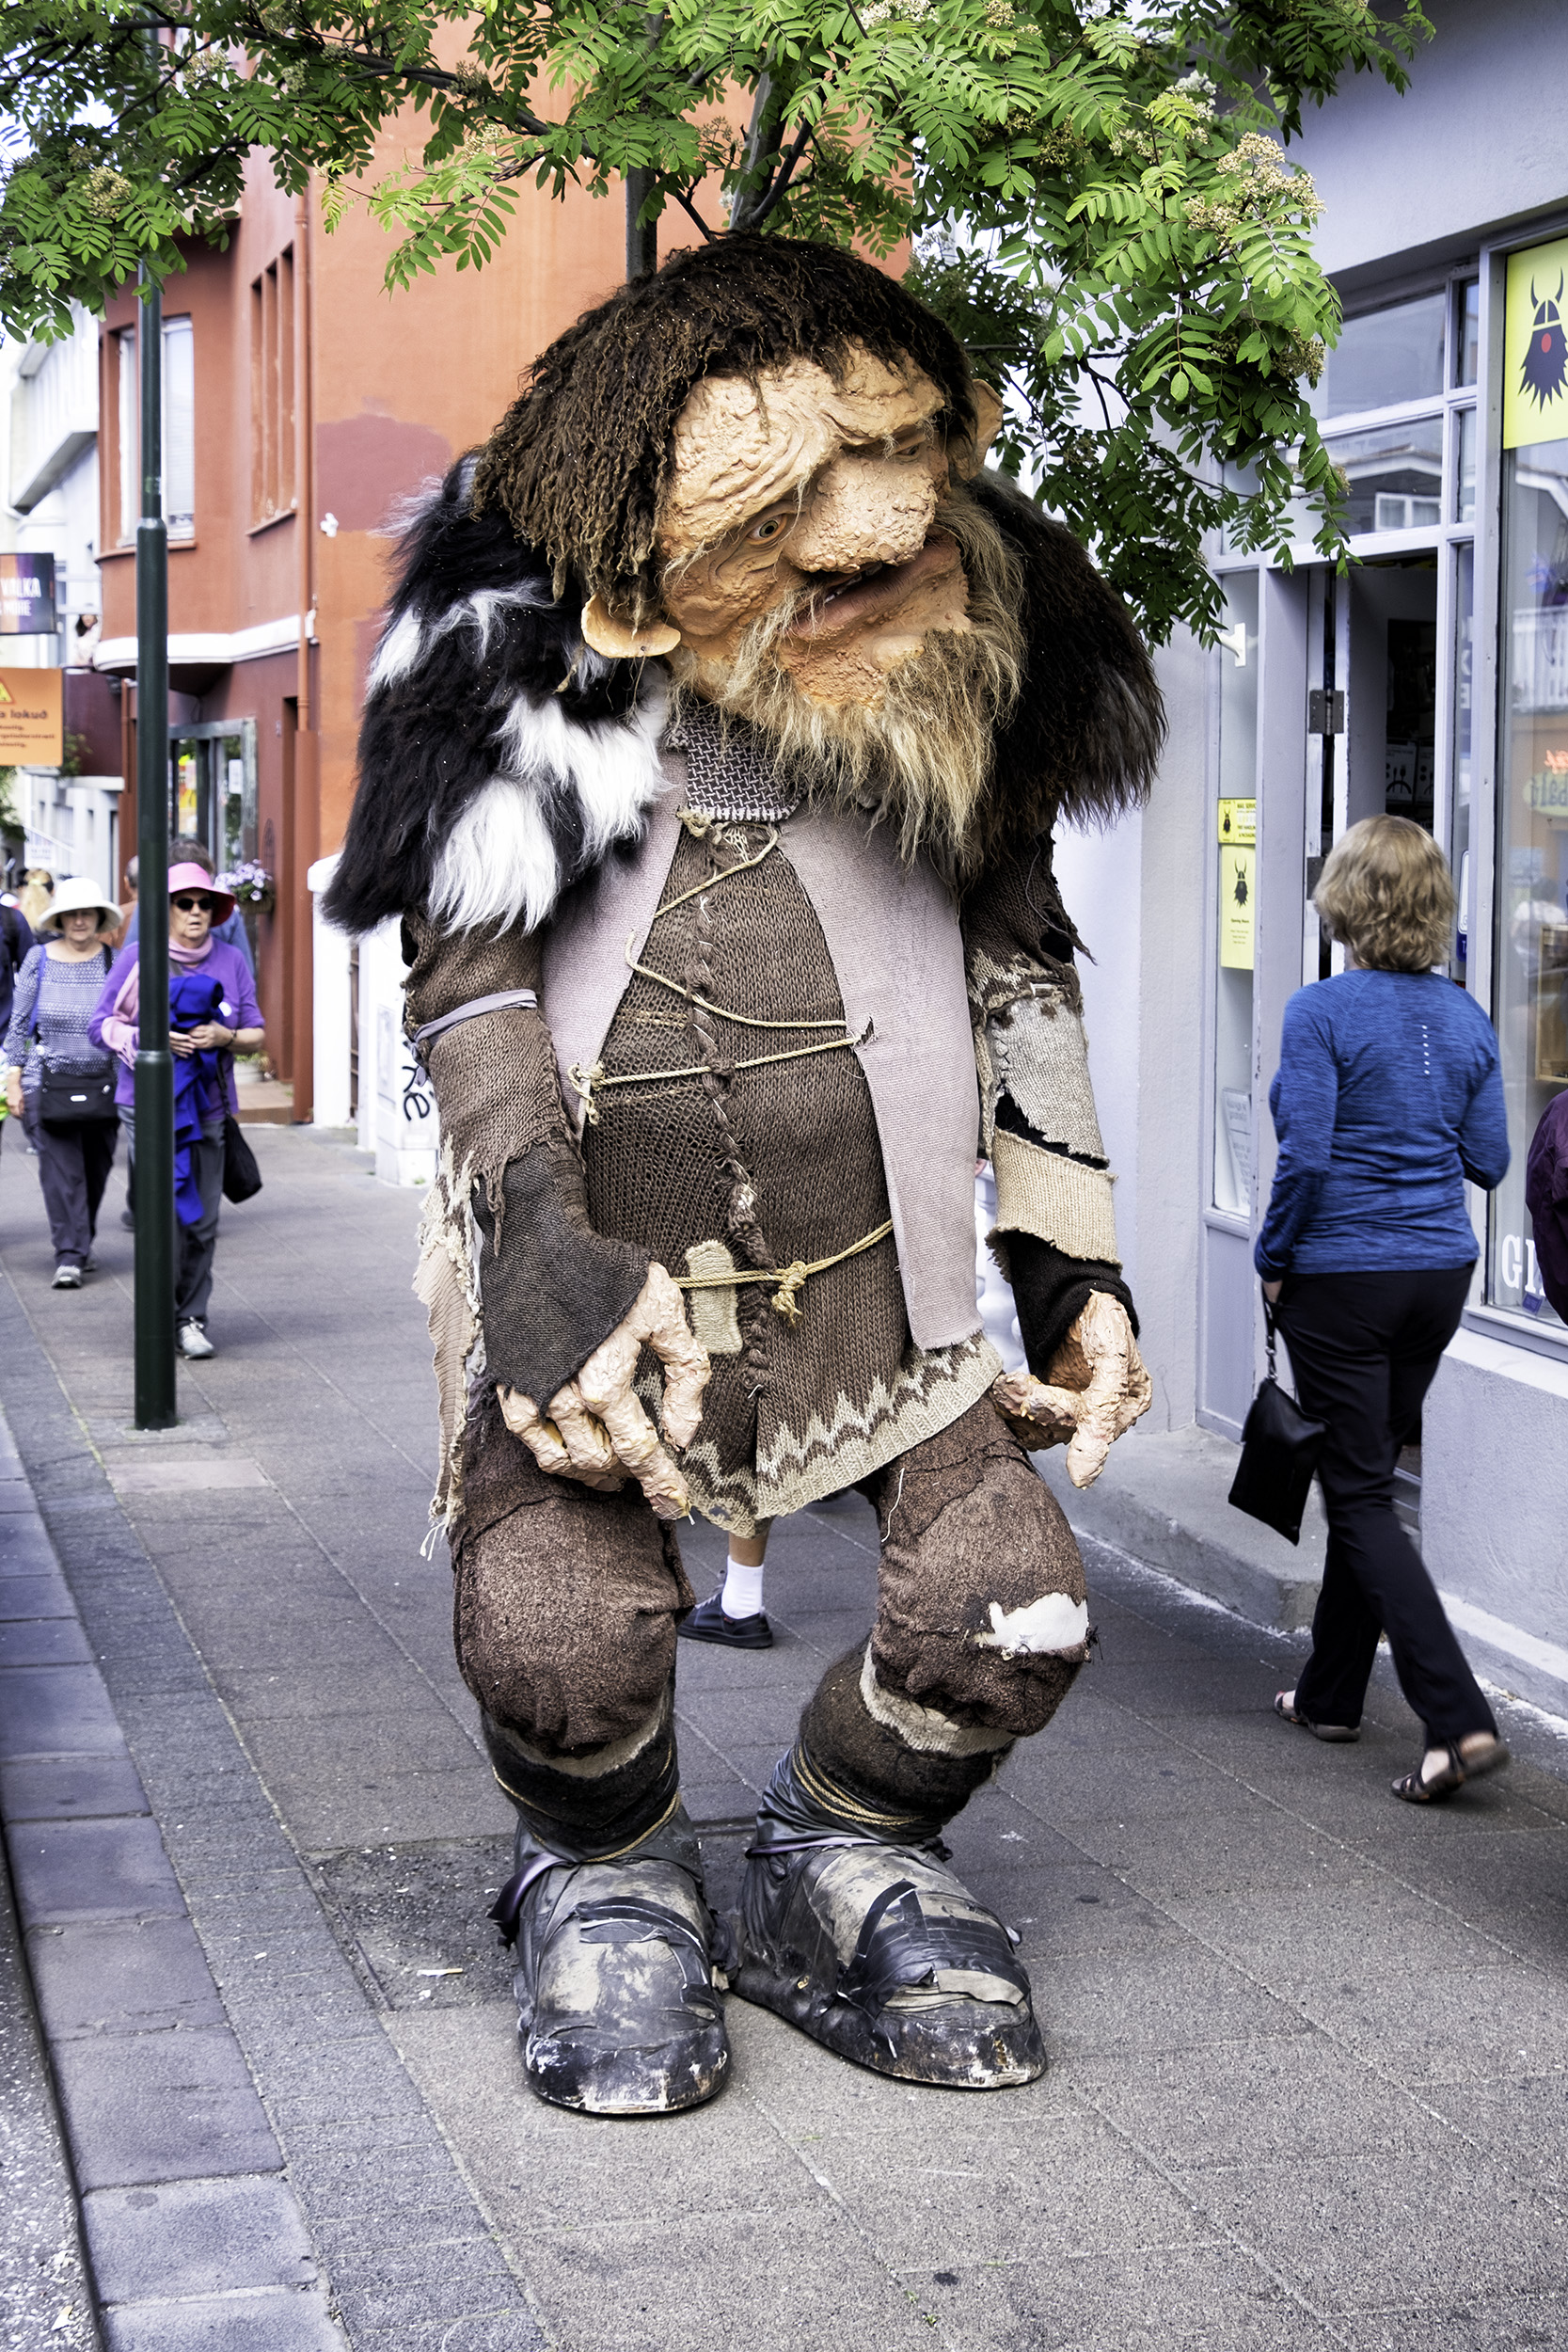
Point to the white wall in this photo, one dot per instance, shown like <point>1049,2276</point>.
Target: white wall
<point>1478,139</point>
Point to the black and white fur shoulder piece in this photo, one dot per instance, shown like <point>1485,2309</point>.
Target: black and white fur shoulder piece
<point>499,757</point>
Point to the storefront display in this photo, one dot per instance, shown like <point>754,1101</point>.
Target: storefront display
<point>1531,1008</point>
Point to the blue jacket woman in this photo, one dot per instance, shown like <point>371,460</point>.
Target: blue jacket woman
<point>1388,1098</point>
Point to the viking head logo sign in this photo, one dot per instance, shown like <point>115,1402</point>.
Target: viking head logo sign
<point>1545,368</point>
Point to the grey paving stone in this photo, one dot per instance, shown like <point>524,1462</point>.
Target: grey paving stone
<point>94,1870</point>
<point>277,2321</point>
<point>196,2239</point>
<point>55,1711</point>
<point>148,2107</point>
<point>131,1976</point>
<point>66,1788</point>
<point>35,1591</point>
<point>24,1547</point>
<point>43,1641</point>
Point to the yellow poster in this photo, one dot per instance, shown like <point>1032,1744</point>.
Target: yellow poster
<point>1238,902</point>
<point>32,718</point>
<point>1535,348</point>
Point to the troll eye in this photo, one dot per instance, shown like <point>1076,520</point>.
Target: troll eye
<point>770,527</point>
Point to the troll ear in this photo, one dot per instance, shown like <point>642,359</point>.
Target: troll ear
<point>970,456</point>
<point>618,640</point>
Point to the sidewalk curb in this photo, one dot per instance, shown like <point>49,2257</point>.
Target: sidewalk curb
<point>188,2221</point>
<point>204,1942</point>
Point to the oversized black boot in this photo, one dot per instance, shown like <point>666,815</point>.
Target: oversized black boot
<point>620,1960</point>
<point>853,1928</point>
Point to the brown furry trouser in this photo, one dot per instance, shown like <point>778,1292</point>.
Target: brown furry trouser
<point>566,1604</point>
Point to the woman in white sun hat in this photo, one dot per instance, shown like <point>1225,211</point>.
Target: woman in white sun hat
<point>56,1077</point>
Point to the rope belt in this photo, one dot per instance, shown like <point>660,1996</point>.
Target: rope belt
<point>788,1280</point>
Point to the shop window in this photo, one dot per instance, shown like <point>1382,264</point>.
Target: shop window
<point>1464,466</point>
<point>179,420</point>
<point>1386,356</point>
<point>1531,890</point>
<point>1464,697</point>
<point>1466,331</point>
<point>272,389</point>
<point>1236,896</point>
<point>1395,475</point>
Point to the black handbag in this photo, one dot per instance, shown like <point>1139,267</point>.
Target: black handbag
<point>242,1178</point>
<point>76,1098</point>
<point>1280,1453</point>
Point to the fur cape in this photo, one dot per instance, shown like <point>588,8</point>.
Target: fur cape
<point>501,759</point>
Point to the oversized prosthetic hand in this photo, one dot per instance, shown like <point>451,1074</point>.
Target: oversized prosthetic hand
<point>1095,1385</point>
<point>596,1428</point>
<point>564,1311</point>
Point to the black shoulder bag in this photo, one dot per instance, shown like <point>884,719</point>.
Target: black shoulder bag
<point>74,1098</point>
<point>242,1178</point>
<point>1279,1452</point>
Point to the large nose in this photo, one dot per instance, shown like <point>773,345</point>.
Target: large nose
<point>864,510</point>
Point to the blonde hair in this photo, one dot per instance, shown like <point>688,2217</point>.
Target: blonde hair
<point>1386,892</point>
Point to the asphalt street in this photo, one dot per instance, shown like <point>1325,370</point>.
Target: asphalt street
<point>1309,2080</point>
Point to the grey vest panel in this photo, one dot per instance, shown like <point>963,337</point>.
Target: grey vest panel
<point>893,937</point>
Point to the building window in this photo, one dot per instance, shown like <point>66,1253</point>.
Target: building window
<point>272,389</point>
<point>179,431</point>
<point>127,411</point>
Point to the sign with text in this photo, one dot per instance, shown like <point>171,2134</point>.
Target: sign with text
<point>28,595</point>
<point>32,718</point>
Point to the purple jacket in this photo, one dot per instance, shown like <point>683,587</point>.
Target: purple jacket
<point>1546,1199</point>
<point>240,1012</point>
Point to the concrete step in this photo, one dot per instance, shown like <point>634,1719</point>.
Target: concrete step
<point>264,1102</point>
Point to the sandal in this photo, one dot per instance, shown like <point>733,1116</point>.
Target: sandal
<point>1285,1708</point>
<point>1453,1774</point>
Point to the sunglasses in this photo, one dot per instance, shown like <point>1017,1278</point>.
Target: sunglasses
<point>189,904</point>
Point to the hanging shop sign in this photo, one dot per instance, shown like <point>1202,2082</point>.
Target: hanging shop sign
<point>1535,346</point>
<point>1238,893</point>
<point>27,597</point>
<point>32,718</point>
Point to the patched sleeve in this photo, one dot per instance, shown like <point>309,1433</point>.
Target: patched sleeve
<point>1039,1124</point>
<point>518,1286</point>
<point>1055,1233</point>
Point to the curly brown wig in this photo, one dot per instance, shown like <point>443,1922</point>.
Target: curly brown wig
<point>581,461</point>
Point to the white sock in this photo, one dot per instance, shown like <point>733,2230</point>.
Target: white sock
<point>742,1593</point>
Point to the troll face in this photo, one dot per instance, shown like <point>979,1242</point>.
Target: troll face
<point>825,577</point>
<point>816,501</point>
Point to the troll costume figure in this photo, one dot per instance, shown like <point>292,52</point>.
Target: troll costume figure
<point>710,757</point>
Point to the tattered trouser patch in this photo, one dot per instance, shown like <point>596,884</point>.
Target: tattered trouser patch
<point>975,1556</point>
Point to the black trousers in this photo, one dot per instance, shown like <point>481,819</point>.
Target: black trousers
<point>1364,1348</point>
<point>73,1168</point>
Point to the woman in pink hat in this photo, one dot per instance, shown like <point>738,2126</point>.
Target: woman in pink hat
<point>205,1092</point>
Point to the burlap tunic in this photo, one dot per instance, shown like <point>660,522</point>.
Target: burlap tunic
<point>762,1168</point>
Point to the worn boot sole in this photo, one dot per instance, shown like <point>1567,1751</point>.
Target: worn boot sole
<point>951,2045</point>
<point>590,2074</point>
<point>619,2010</point>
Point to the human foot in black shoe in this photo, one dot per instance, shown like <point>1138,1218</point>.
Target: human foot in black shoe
<point>708,1623</point>
<point>618,1979</point>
